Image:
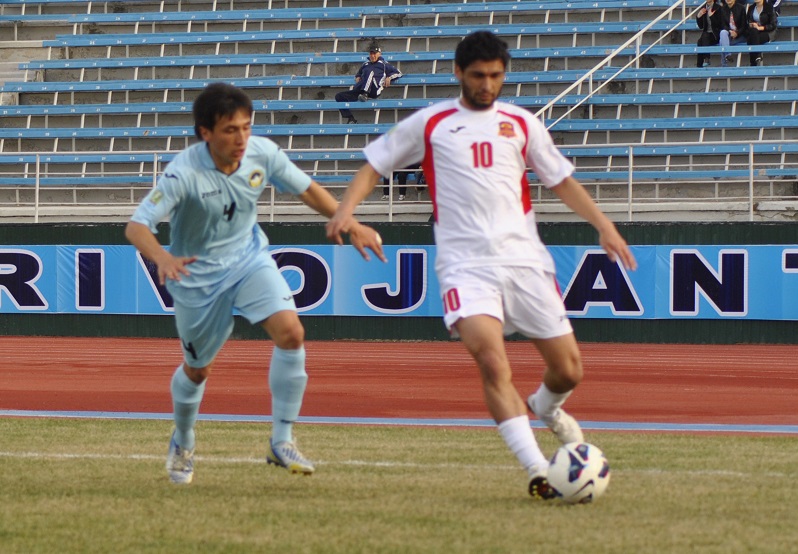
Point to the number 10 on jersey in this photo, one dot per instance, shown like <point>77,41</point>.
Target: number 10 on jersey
<point>483,154</point>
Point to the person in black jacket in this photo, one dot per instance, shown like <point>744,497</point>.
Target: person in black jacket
<point>371,79</point>
<point>734,22</point>
<point>708,19</point>
<point>762,24</point>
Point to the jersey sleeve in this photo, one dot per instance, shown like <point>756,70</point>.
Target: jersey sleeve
<point>159,202</point>
<point>282,172</point>
<point>400,147</point>
<point>543,156</point>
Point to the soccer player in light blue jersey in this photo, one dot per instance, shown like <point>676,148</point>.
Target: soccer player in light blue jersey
<point>219,261</point>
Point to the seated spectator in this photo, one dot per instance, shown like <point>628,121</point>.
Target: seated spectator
<point>708,19</point>
<point>734,27</point>
<point>762,24</point>
<point>401,178</point>
<point>371,79</point>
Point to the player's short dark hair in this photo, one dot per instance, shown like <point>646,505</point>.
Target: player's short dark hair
<point>216,101</point>
<point>481,46</point>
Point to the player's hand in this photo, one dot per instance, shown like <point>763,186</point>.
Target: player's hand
<point>171,267</point>
<point>338,224</point>
<point>616,248</point>
<point>362,237</point>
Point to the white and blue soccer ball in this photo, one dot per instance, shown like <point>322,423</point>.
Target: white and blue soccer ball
<point>579,472</point>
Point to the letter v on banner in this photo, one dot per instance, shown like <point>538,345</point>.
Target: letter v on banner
<point>151,271</point>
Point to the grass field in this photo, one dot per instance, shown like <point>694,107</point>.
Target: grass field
<point>72,485</point>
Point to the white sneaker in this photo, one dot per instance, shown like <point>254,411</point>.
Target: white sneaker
<point>561,424</point>
<point>385,197</point>
<point>286,454</point>
<point>401,197</point>
<point>179,463</point>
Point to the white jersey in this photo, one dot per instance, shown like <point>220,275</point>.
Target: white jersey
<point>475,164</point>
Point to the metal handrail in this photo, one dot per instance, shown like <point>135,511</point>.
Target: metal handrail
<point>637,39</point>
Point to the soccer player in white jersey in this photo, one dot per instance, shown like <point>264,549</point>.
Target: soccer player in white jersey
<point>496,276</point>
<point>219,261</point>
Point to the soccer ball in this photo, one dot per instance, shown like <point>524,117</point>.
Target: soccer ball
<point>579,472</point>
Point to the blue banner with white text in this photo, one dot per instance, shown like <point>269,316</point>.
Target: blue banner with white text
<point>672,282</point>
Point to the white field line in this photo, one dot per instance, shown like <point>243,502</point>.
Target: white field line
<point>65,456</point>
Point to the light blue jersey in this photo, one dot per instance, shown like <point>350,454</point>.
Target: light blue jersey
<point>213,216</point>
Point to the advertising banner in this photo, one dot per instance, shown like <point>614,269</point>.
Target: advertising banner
<point>672,282</point>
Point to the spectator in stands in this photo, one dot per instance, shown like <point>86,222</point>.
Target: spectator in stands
<point>209,192</point>
<point>734,23</point>
<point>762,24</point>
<point>401,179</point>
<point>708,19</point>
<point>372,78</point>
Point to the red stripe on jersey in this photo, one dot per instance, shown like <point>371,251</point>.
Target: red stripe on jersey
<point>526,194</point>
<point>428,164</point>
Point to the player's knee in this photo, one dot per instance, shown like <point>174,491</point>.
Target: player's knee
<point>290,337</point>
<point>198,374</point>
<point>493,368</point>
<point>569,370</point>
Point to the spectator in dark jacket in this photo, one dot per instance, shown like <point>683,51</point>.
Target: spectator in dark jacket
<point>370,80</point>
<point>734,26</point>
<point>762,24</point>
<point>709,21</point>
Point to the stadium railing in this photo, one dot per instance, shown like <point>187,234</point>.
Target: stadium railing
<point>327,63</point>
<point>420,14</point>
<point>570,131</point>
<point>741,178</point>
<point>32,7</point>
<point>537,83</point>
<point>390,110</point>
<point>347,39</point>
<point>597,159</point>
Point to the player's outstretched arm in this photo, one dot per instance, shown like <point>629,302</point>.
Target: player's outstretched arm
<point>361,186</point>
<point>361,236</point>
<point>574,195</point>
<point>169,267</point>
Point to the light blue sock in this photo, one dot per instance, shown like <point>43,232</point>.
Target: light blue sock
<point>186,399</point>
<point>287,381</point>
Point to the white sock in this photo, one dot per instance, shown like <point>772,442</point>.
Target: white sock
<point>546,403</point>
<point>518,435</point>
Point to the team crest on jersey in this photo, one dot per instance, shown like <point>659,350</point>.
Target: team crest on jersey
<point>506,129</point>
<point>256,178</point>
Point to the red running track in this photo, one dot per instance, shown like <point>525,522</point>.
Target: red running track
<point>738,384</point>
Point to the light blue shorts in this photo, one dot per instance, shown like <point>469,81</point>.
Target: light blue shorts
<point>205,318</point>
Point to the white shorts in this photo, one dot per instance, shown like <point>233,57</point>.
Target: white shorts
<point>526,300</point>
